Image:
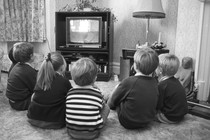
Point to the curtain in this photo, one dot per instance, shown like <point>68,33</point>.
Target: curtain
<point>22,20</point>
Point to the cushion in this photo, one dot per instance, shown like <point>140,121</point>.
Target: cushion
<point>184,73</point>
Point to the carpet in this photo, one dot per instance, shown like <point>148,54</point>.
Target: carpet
<point>14,125</point>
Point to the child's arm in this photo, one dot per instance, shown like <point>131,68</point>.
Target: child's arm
<point>160,97</point>
<point>118,96</point>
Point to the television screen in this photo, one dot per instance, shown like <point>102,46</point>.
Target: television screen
<point>83,31</point>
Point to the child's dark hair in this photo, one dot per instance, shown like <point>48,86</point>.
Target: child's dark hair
<point>84,71</point>
<point>146,60</point>
<point>23,51</point>
<point>50,65</point>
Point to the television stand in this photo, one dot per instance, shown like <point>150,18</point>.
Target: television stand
<point>100,53</point>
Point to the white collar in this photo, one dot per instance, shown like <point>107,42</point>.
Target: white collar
<point>28,64</point>
<point>164,78</point>
<point>141,74</point>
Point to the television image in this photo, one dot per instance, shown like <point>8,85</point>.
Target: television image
<point>84,31</point>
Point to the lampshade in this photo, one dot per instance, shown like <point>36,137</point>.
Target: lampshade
<point>150,9</point>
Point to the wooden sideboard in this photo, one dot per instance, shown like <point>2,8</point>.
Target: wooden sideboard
<point>126,61</point>
<point>129,53</point>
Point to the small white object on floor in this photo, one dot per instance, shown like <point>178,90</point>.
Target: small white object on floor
<point>116,78</point>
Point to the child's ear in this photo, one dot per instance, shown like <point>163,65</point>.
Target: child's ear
<point>62,68</point>
<point>32,57</point>
<point>134,66</point>
<point>95,79</point>
<point>159,71</point>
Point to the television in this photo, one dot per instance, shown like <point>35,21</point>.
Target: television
<point>84,32</point>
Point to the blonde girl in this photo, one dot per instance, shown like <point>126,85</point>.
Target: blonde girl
<point>47,108</point>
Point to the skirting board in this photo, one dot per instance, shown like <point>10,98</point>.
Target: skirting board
<point>199,110</point>
<point>4,71</point>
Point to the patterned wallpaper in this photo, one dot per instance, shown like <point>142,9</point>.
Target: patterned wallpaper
<point>187,28</point>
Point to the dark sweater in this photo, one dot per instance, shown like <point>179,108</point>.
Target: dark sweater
<point>172,99</point>
<point>135,99</point>
<point>21,82</point>
<point>50,105</point>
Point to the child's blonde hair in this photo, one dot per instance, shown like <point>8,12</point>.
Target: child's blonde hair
<point>169,63</point>
<point>84,71</point>
<point>23,51</point>
<point>146,60</point>
<point>50,65</point>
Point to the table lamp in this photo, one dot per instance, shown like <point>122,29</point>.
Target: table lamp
<point>149,9</point>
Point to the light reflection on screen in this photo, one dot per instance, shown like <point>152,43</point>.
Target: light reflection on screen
<point>84,31</point>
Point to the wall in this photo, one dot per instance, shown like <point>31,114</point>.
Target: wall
<point>187,33</point>
<point>179,28</point>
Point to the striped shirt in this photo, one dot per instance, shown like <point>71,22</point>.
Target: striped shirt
<point>83,107</point>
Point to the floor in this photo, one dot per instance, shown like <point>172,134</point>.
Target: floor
<point>14,125</point>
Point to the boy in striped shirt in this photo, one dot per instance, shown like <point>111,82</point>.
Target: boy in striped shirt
<point>86,111</point>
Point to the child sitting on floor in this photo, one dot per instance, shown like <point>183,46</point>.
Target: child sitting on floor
<point>22,77</point>
<point>47,108</point>
<point>135,98</point>
<point>172,102</point>
<point>86,111</point>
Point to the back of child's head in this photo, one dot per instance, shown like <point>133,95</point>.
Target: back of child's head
<point>23,51</point>
<point>169,63</point>
<point>54,62</point>
<point>146,60</point>
<point>84,71</point>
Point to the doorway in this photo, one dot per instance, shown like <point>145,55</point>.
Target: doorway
<point>202,68</point>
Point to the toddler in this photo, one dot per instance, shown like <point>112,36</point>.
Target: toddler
<point>47,108</point>
<point>172,102</point>
<point>86,111</point>
<point>135,98</point>
<point>22,77</point>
